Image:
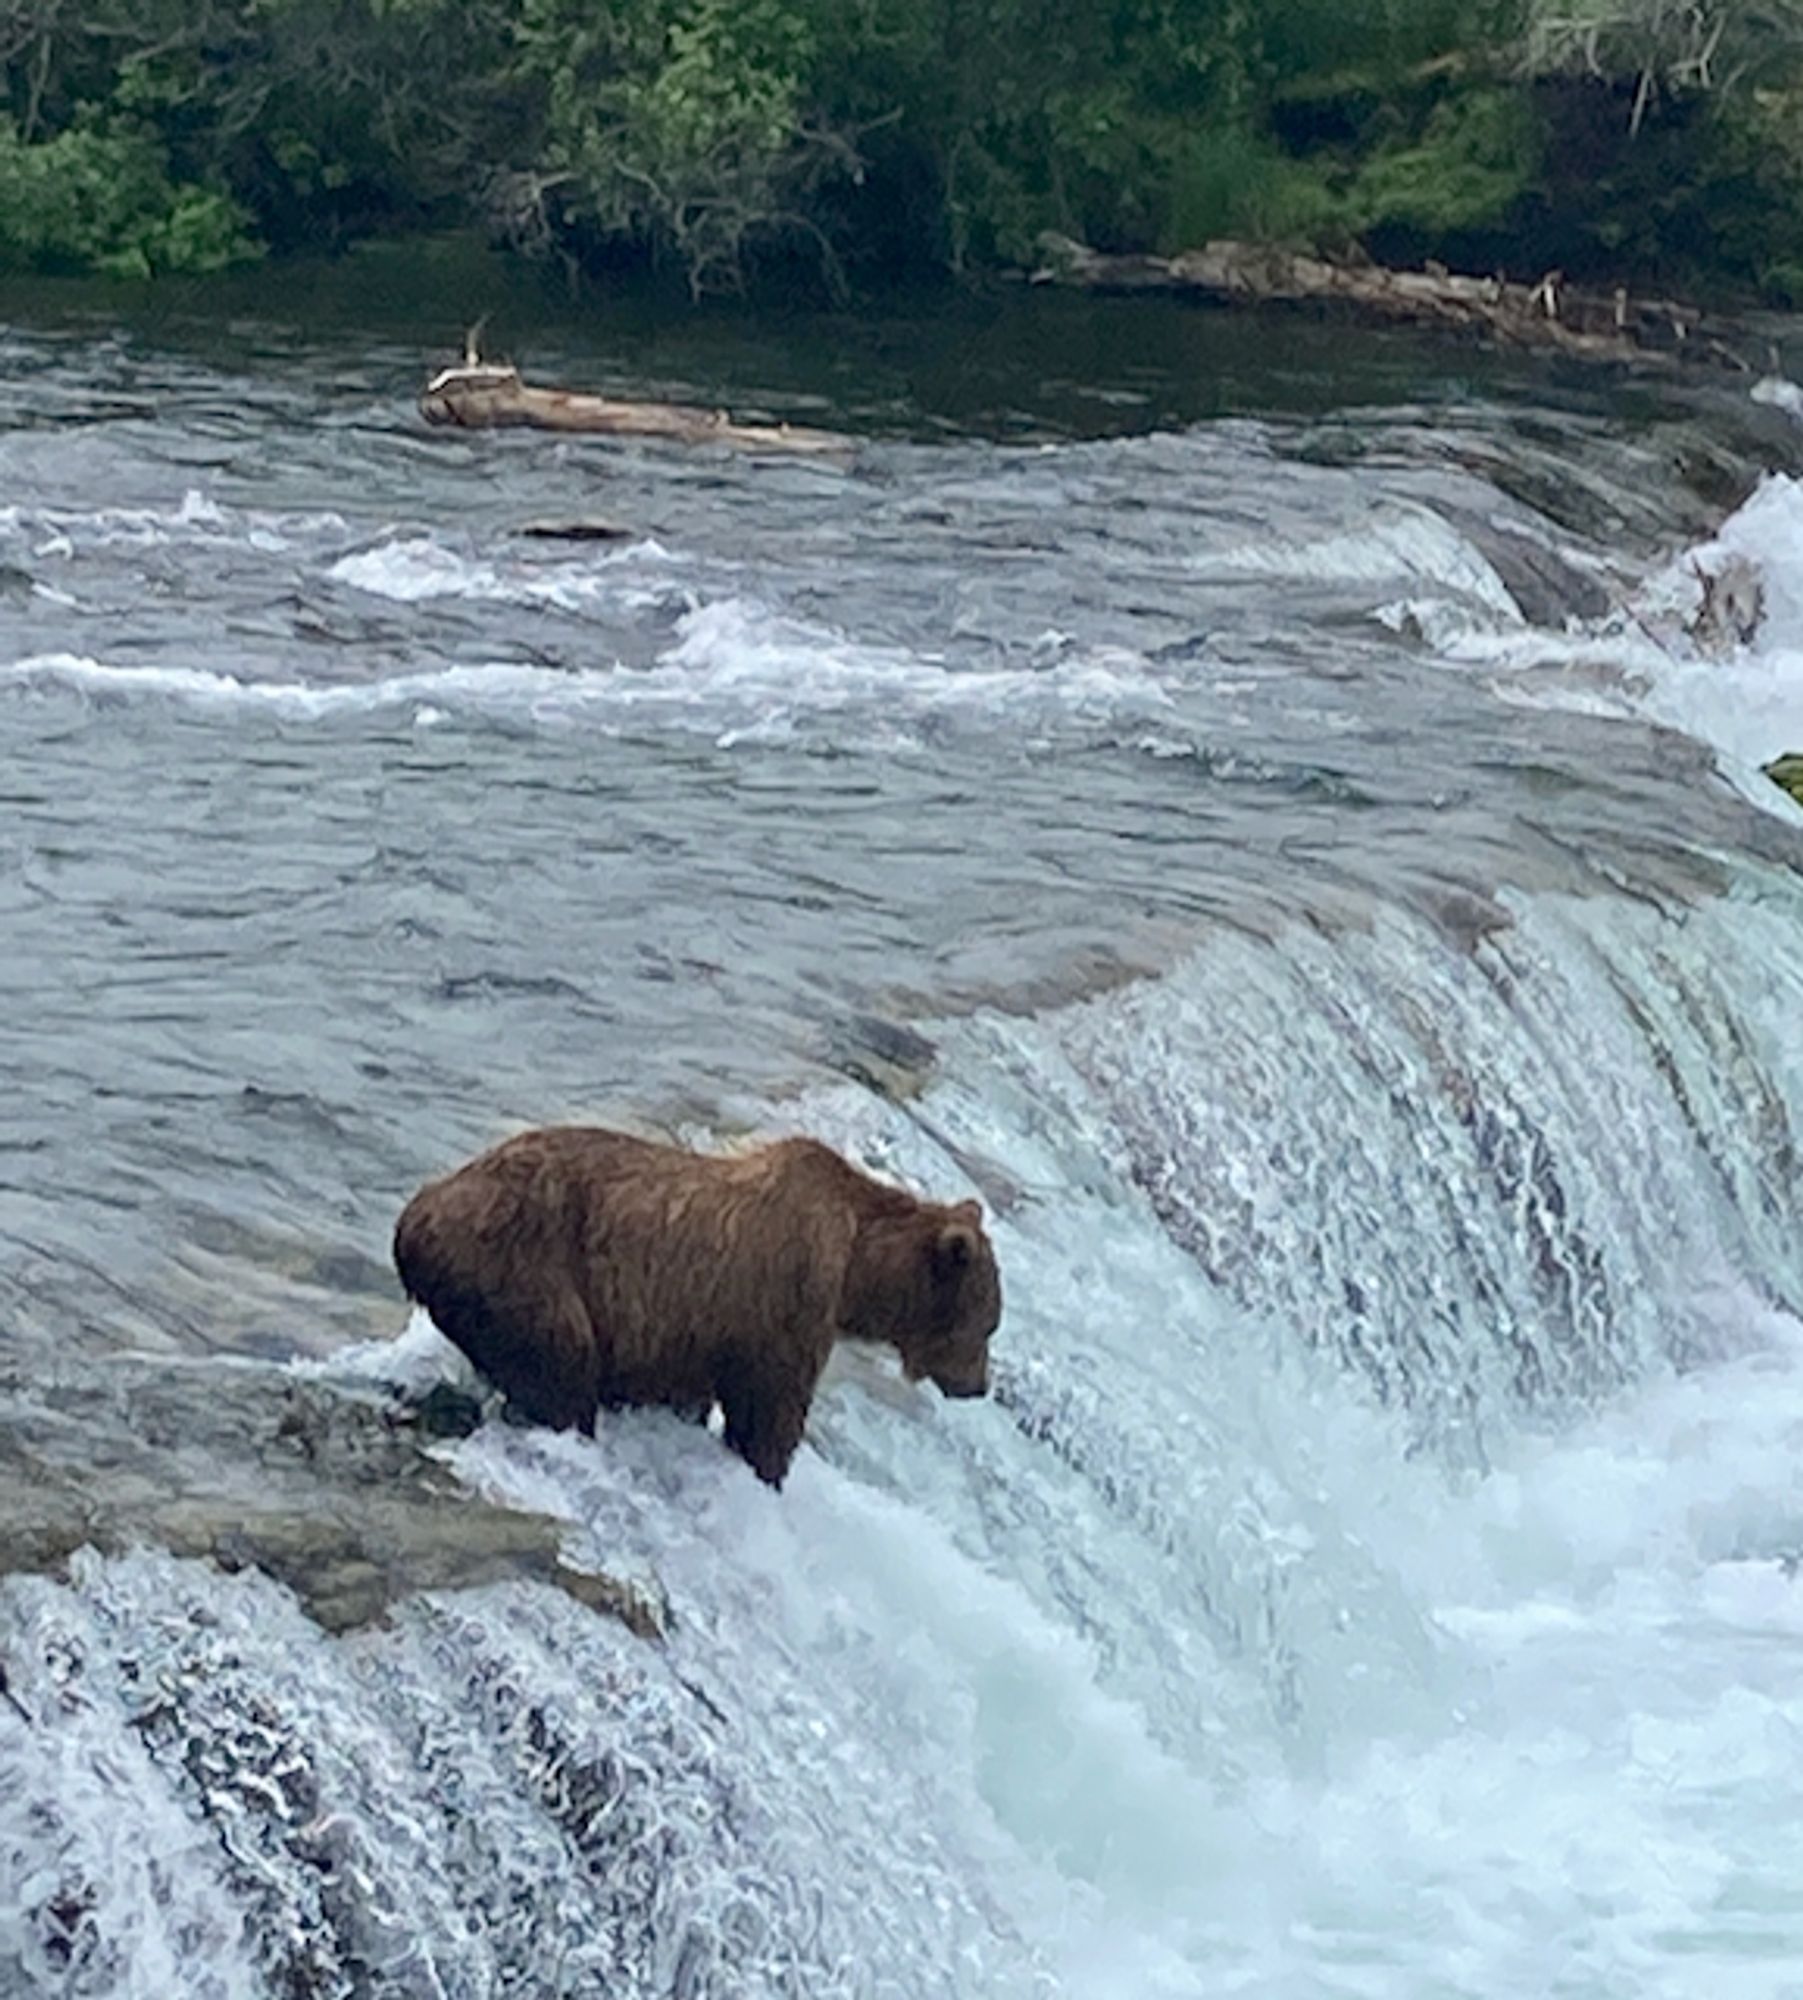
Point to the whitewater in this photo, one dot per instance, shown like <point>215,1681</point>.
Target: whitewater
<point>1299,865</point>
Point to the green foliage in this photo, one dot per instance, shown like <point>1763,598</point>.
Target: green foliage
<point>1633,137</point>
<point>1704,179</point>
<point>1233,181</point>
<point>96,199</point>
<point>1738,205</point>
<point>1476,156</point>
<point>1371,42</point>
<point>318,116</point>
<point>678,121</point>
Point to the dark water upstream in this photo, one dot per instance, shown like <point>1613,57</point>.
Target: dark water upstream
<point>1262,782</point>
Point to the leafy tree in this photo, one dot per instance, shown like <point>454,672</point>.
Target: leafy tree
<point>732,137</point>
<point>100,199</point>
<point>682,123</point>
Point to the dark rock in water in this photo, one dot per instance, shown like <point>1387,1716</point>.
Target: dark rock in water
<point>489,985</point>
<point>884,1056</point>
<point>444,1411</point>
<point>328,1491</point>
<point>897,1062</point>
<point>1547,588</point>
<point>588,528</point>
<point>1331,445</point>
<point>1465,915</point>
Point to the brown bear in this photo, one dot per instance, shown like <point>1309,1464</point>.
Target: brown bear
<point>580,1268</point>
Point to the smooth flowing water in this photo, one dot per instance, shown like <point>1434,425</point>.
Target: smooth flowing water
<point>1261,786</point>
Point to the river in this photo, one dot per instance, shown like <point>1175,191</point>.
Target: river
<point>1242,797</point>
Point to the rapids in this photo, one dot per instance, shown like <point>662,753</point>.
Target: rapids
<point>1249,805</point>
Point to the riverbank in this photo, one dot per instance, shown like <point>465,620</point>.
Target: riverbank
<point>792,147</point>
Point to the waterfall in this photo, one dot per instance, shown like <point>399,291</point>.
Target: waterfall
<point>1387,1477</point>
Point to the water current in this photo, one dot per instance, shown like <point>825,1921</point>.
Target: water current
<point>1249,802</point>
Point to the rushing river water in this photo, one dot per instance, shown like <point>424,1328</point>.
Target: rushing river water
<point>1254,796</point>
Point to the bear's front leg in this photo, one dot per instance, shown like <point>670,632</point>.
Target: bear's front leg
<point>766,1413</point>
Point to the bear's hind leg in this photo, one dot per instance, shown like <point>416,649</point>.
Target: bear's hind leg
<point>537,1348</point>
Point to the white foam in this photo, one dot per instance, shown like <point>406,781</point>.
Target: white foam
<point>198,511</point>
<point>87,1829</point>
<point>1610,1814</point>
<point>470,689</point>
<point>418,569</point>
<point>734,672</point>
<point>901,1638</point>
<point>1743,697</point>
<point>1778,392</point>
<point>417,1359</point>
<point>408,572</point>
<point>196,517</point>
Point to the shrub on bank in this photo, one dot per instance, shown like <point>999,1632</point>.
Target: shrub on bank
<point>92,199</point>
<point>838,140</point>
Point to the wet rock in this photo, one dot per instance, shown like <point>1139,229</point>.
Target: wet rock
<point>883,1055</point>
<point>1548,589</point>
<point>582,528</point>
<point>444,1411</point>
<point>1732,606</point>
<point>1463,915</point>
<point>330,1492</point>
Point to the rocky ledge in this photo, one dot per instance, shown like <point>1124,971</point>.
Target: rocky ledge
<point>331,1490</point>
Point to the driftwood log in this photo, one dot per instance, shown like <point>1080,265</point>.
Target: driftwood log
<point>481,395</point>
<point>1591,325</point>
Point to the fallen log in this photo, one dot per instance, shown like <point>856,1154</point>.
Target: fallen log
<point>1568,319</point>
<point>481,395</point>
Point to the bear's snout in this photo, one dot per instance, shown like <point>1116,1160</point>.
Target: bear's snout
<point>968,1383</point>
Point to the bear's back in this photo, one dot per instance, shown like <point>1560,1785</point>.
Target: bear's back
<point>650,1233</point>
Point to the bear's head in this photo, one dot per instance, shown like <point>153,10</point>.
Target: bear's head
<point>926,1283</point>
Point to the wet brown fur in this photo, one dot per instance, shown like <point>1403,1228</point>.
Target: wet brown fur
<point>580,1268</point>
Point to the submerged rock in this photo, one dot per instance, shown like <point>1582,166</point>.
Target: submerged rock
<point>1732,607</point>
<point>1547,587</point>
<point>580,528</point>
<point>894,1060</point>
<point>330,1492</point>
<point>446,1411</point>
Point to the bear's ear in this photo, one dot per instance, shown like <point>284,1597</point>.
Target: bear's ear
<point>955,1247</point>
<point>968,1211</point>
